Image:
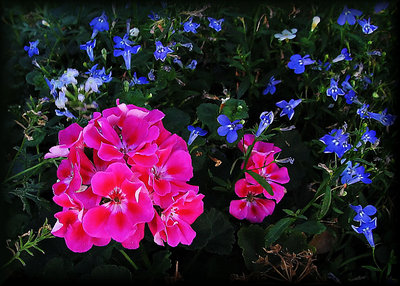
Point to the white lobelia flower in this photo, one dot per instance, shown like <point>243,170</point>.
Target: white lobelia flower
<point>315,22</point>
<point>286,35</point>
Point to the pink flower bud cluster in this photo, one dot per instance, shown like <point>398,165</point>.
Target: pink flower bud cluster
<point>256,203</point>
<point>121,171</point>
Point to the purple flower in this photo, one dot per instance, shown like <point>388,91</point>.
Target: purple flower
<point>135,80</point>
<point>354,174</point>
<point>270,88</point>
<point>99,24</point>
<point>344,55</point>
<point>121,43</point>
<point>215,24</point>
<point>351,97</point>
<point>189,26</point>
<point>369,136</point>
<point>366,26</point>
<point>161,52</point>
<point>88,47</point>
<point>192,65</point>
<point>384,118</point>
<point>288,107</point>
<point>366,229</point>
<point>228,128</point>
<point>363,213</point>
<point>266,120</point>
<point>298,63</point>
<point>336,142</point>
<point>363,111</point>
<point>126,54</point>
<point>32,49</point>
<point>194,132</point>
<point>349,16</point>
<point>334,90</point>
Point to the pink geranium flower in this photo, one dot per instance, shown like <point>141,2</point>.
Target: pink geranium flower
<point>257,203</point>
<point>123,170</point>
<point>126,203</point>
<point>69,225</point>
<point>173,225</point>
<point>252,207</point>
<point>70,137</point>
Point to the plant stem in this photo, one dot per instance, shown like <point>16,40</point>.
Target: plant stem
<point>129,259</point>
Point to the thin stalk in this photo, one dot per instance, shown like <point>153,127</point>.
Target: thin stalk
<point>129,259</point>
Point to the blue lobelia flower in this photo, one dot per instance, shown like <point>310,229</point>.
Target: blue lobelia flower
<point>351,97</point>
<point>344,55</point>
<point>266,120</point>
<point>194,132</point>
<point>349,16</point>
<point>161,52</point>
<point>88,47</point>
<point>99,24</point>
<point>298,63</point>
<point>363,214</point>
<point>288,107</point>
<point>334,90</point>
<point>366,26</point>
<point>379,7</point>
<point>192,65</point>
<point>363,111</point>
<point>354,174</point>
<point>189,26</point>
<point>369,136</point>
<point>65,113</point>
<point>384,118</point>
<point>100,74</point>
<point>336,142</point>
<point>93,83</point>
<point>32,49</point>
<point>126,53</point>
<point>151,75</point>
<point>68,77</point>
<point>135,80</point>
<point>121,43</point>
<point>215,24</point>
<point>366,229</point>
<point>228,128</point>
<point>270,88</point>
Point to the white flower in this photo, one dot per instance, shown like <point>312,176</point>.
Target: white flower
<point>315,22</point>
<point>134,32</point>
<point>92,83</point>
<point>286,35</point>
<point>61,100</point>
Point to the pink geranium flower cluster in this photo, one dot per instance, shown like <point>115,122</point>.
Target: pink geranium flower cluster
<point>256,202</point>
<point>121,171</point>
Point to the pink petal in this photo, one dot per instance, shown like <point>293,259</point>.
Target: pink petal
<point>103,183</point>
<point>77,239</point>
<point>279,192</point>
<point>95,222</point>
<point>238,208</point>
<point>57,151</point>
<point>133,240</point>
<point>70,135</point>
<point>134,131</point>
<point>279,175</point>
<point>118,226</point>
<point>180,233</point>
<point>179,166</point>
<point>108,152</point>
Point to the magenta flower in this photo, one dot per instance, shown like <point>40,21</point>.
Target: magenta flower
<point>123,170</point>
<point>173,226</point>
<point>256,202</point>
<point>68,138</point>
<point>69,225</point>
<point>126,202</point>
<point>252,207</point>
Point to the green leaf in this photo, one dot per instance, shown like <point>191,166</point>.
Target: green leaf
<point>275,231</point>
<point>251,241</point>
<point>207,114</point>
<point>243,87</point>
<point>236,109</point>
<point>326,202</point>
<point>261,181</point>
<point>176,120</point>
<point>311,227</point>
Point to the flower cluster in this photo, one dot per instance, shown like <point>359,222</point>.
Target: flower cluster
<point>256,203</point>
<point>121,171</point>
<point>366,223</point>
